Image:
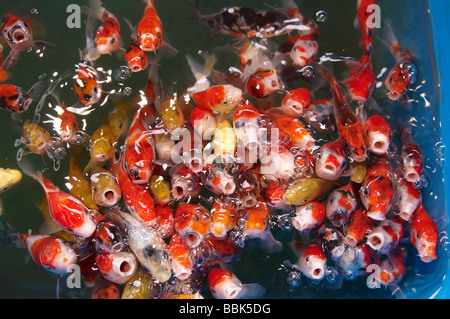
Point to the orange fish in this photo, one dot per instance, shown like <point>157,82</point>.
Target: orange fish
<point>331,160</point>
<point>295,102</point>
<point>350,128</point>
<point>274,192</point>
<point>117,267</point>
<point>184,183</point>
<point>393,268</point>
<point>309,216</point>
<point>263,83</point>
<point>87,87</point>
<point>424,234</point>
<point>361,79</point>
<point>221,98</point>
<point>150,32</point>
<point>223,284</point>
<point>377,190</point>
<point>182,264</point>
<point>386,235</point>
<point>65,123</point>
<point>203,121</point>
<point>14,99</point>
<point>107,38</point>
<point>411,158</point>
<point>104,289</point>
<point>224,217</point>
<point>366,27</point>
<point>378,134</point>
<point>108,238</point>
<point>135,57</point>
<point>357,227</point>
<point>313,262</point>
<point>193,223</point>
<point>165,217</point>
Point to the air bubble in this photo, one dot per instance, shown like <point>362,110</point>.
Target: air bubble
<point>308,72</point>
<point>53,143</point>
<point>122,73</point>
<point>294,278</point>
<point>332,274</point>
<point>321,16</point>
<point>392,150</point>
<point>59,153</point>
<point>34,11</point>
<point>410,68</point>
<point>127,91</point>
<point>237,238</point>
<point>285,223</point>
<point>78,138</point>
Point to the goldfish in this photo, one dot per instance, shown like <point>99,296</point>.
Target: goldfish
<point>146,244</point>
<point>357,227</point>
<point>102,144</point>
<point>203,121</point>
<point>404,74</point>
<point>361,80</point>
<point>245,22</point>
<point>350,128</point>
<point>139,152</point>
<point>411,158</point>
<point>378,134</point>
<point>70,213</point>
<point>424,234</point>
<point>223,218</point>
<point>366,26</point>
<point>135,57</point>
<point>192,222</point>
<point>224,140</point>
<point>36,138</point>
<point>160,190</point>
<point>218,180</point>
<point>299,50</point>
<point>246,124</point>
<point>107,38</point>
<point>341,204</point>
<point>386,235</point>
<point>87,86</point>
<point>119,118</point>
<point>311,260</point>
<point>150,31</point>
<point>182,264</point>
<point>220,98</point>
<point>263,83</point>
<point>171,114</point>
<point>108,237</point>
<point>65,123</point>
<point>14,99</point>
<point>105,188</point>
<point>47,251</point>
<point>331,160</point>
<point>78,182</point>
<point>136,196</point>
<point>18,35</point>
<point>304,190</point>
<point>9,177</point>
<point>247,187</point>
<point>331,240</point>
<point>138,286</point>
<point>377,190</point>
<point>117,267</point>
<point>357,172</point>
<point>89,270</point>
<point>184,182</point>
<point>104,289</point>
<point>393,267</point>
<point>309,216</point>
<point>223,284</point>
<point>273,193</point>
<point>298,134</point>
<point>295,102</point>
<point>407,199</point>
<point>165,217</point>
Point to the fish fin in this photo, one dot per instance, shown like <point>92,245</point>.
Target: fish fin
<point>238,41</point>
<point>198,18</point>
<point>9,235</point>
<point>28,169</point>
<point>37,89</point>
<point>167,49</point>
<point>95,9</point>
<point>251,291</point>
<point>49,227</point>
<point>43,45</point>
<point>12,60</point>
<point>269,243</point>
<point>132,29</point>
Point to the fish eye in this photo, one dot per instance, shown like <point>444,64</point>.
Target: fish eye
<point>224,102</point>
<point>112,41</point>
<point>366,191</point>
<point>159,35</point>
<point>307,259</point>
<point>95,88</point>
<point>142,57</point>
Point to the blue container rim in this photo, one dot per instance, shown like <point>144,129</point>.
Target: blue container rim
<point>439,11</point>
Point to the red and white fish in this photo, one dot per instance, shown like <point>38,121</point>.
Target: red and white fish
<point>377,191</point>
<point>408,198</point>
<point>108,238</point>
<point>273,193</point>
<point>223,284</point>
<point>341,204</point>
<point>309,216</point>
<point>182,264</point>
<point>107,38</point>
<point>386,235</point>
<point>223,218</point>
<point>404,74</point>
<point>193,223</point>
<point>14,99</point>
<point>18,35</point>
<point>393,268</point>
<point>295,102</point>
<point>165,216</point>
<point>203,121</point>
<point>411,161</point>
<point>246,124</point>
<point>47,251</point>
<point>320,115</point>
<point>355,260</point>
<point>218,180</point>
<point>65,123</point>
<point>263,83</point>
<point>117,267</point>
<point>311,260</point>
<point>350,128</point>
<point>357,227</point>
<point>150,31</point>
<point>184,182</point>
<point>301,50</point>
<point>66,210</point>
<point>378,134</point>
<point>331,160</point>
<point>220,98</point>
<point>331,240</point>
<point>135,57</point>
<point>424,234</point>
<point>247,187</point>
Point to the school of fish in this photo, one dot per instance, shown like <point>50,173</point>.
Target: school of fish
<point>268,148</point>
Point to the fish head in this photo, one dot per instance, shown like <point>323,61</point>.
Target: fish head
<point>16,32</point>
<point>263,83</point>
<point>150,38</point>
<point>224,284</point>
<point>136,58</point>
<point>86,86</point>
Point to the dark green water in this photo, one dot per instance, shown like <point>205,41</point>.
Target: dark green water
<point>20,278</point>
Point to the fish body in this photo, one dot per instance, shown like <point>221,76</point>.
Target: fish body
<point>302,50</point>
<point>341,204</point>
<point>192,222</point>
<point>223,284</point>
<point>221,98</point>
<point>87,86</point>
<point>304,190</point>
<point>393,267</point>
<point>424,234</point>
<point>331,160</point>
<point>295,102</point>
<point>223,218</point>
<point>386,235</point>
<point>9,177</point>
<point>309,216</point>
<point>105,188</point>
<point>36,138</point>
<point>117,267</point>
<point>378,134</point>
<point>357,227</point>
<point>107,37</point>
<point>411,158</point>
<point>331,240</point>
<point>377,192</point>
<point>14,99</point>
<point>182,264</point>
<point>407,199</point>
<point>361,79</point>
<point>150,31</point>
<point>135,57</point>
<point>165,220</point>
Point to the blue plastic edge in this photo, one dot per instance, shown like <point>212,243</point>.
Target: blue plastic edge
<point>440,11</point>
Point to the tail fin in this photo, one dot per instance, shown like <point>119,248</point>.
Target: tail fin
<point>8,235</point>
<point>95,9</point>
<point>28,168</point>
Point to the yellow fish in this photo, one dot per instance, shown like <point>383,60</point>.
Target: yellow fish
<point>101,147</point>
<point>171,113</point>
<point>160,190</point>
<point>8,178</point>
<point>78,181</point>
<point>105,188</point>
<point>304,190</point>
<point>36,138</point>
<point>358,172</point>
<point>139,286</point>
<point>119,118</point>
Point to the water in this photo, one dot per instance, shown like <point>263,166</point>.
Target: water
<point>21,278</point>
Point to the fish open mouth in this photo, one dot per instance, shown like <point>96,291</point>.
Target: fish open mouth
<point>17,35</point>
<point>192,239</point>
